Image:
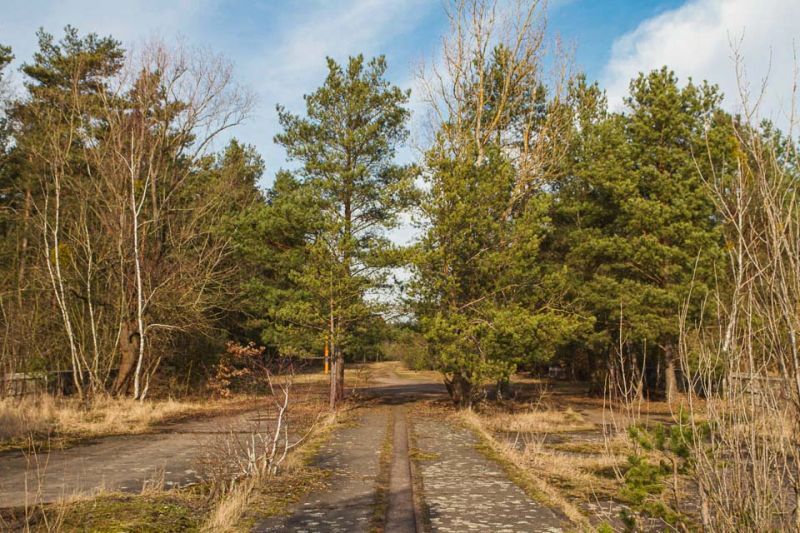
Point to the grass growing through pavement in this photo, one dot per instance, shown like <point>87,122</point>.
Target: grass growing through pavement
<point>380,505</point>
<point>186,510</point>
<point>607,476</point>
<point>420,455</point>
<point>416,456</point>
<point>511,462</point>
<point>190,509</point>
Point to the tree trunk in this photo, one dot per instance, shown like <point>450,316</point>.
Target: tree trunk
<point>670,378</point>
<point>340,377</point>
<point>503,389</point>
<point>137,373</point>
<point>334,350</point>
<point>460,390</point>
<point>23,246</point>
<point>334,379</point>
<point>128,350</point>
<point>337,378</point>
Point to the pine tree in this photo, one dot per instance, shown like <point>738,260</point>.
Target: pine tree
<point>643,232</point>
<point>345,146</point>
<point>271,247</point>
<point>486,301</point>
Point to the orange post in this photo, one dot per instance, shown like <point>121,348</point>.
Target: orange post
<point>327,369</point>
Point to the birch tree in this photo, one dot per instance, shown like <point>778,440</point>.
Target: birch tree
<point>174,102</point>
<point>120,205</point>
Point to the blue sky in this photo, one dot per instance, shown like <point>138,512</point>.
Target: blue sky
<point>279,47</point>
<point>592,26</point>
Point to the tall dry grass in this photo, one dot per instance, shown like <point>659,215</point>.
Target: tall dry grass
<point>539,421</point>
<point>47,415</point>
<point>20,418</point>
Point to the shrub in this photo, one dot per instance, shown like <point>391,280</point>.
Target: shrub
<point>240,369</point>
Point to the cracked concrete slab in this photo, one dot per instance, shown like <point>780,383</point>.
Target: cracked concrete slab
<point>352,455</point>
<point>465,491</point>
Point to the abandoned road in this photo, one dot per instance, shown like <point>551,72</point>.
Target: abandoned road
<point>435,479</point>
<point>172,456</point>
<point>451,487</point>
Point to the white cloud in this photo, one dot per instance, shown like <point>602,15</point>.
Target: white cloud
<point>695,40</point>
<point>292,63</point>
<point>297,56</point>
<point>128,21</point>
<point>282,57</point>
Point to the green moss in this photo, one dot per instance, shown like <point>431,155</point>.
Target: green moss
<point>419,455</point>
<point>282,492</point>
<point>141,513</point>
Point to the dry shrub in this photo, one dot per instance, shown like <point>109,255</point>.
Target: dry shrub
<point>742,356</point>
<point>241,368</point>
<point>578,471</point>
<point>227,512</point>
<point>239,462</point>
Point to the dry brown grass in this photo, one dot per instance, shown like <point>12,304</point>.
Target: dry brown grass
<point>28,417</point>
<point>564,475</point>
<point>156,508</point>
<point>419,375</point>
<point>227,513</point>
<point>539,421</point>
<point>43,415</point>
<point>20,418</point>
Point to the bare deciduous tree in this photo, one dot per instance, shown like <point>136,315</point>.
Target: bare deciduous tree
<point>178,101</point>
<point>487,84</point>
<point>129,216</point>
<point>744,368</point>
